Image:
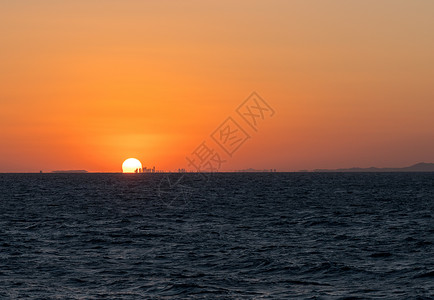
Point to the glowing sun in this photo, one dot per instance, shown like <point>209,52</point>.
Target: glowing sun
<point>131,165</point>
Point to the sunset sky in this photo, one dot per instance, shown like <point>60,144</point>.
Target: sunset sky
<point>87,84</point>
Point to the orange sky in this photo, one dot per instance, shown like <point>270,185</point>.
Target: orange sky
<point>87,84</point>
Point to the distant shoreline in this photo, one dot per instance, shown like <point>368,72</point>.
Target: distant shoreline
<point>69,171</point>
<point>419,167</point>
<point>416,168</point>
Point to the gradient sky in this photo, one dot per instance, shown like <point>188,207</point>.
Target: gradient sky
<point>87,84</point>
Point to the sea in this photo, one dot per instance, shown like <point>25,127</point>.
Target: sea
<point>217,236</point>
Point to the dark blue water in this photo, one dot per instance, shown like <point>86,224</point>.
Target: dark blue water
<point>234,236</point>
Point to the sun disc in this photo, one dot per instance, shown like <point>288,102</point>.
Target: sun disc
<point>131,165</point>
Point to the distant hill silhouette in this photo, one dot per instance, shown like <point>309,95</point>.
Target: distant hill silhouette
<point>70,171</point>
<point>420,167</point>
<point>250,170</point>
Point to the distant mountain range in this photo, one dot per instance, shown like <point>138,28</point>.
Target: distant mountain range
<point>420,167</point>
